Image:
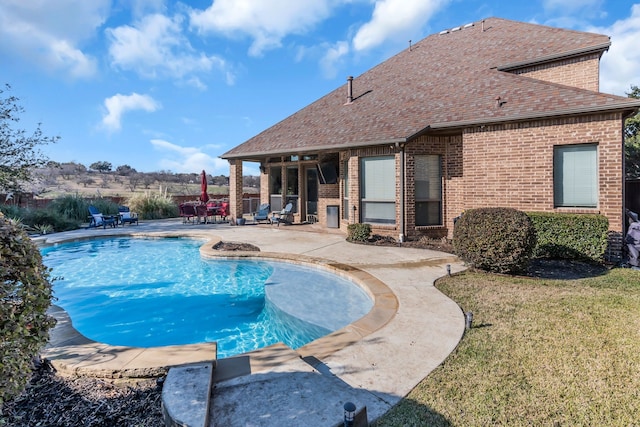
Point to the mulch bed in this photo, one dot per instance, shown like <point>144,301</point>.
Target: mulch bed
<point>55,400</point>
<point>233,246</point>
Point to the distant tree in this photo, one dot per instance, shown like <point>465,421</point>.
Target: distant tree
<point>86,180</point>
<point>101,166</point>
<point>134,180</point>
<point>125,170</point>
<point>147,180</point>
<point>220,180</point>
<point>71,169</point>
<point>632,140</point>
<point>251,181</point>
<point>19,154</point>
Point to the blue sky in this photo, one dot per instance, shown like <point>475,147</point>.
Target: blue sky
<point>167,85</point>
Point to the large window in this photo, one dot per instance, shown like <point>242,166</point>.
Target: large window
<point>378,190</point>
<point>428,179</point>
<point>575,176</point>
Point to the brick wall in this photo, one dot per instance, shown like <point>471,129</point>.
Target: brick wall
<point>582,72</point>
<point>512,165</point>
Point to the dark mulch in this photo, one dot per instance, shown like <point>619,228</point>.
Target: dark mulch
<point>54,400</point>
<point>233,246</point>
<point>442,245</point>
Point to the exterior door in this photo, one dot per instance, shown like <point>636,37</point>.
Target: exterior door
<point>312,191</point>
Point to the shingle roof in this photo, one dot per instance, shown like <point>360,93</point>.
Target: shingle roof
<point>446,80</point>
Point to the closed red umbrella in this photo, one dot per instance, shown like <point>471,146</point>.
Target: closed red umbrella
<point>204,197</point>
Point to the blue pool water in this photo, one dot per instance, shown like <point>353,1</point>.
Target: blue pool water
<point>155,292</point>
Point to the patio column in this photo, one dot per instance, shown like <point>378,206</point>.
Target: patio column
<point>235,189</point>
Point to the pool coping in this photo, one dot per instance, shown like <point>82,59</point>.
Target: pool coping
<point>71,352</point>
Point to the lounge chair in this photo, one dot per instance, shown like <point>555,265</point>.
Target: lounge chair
<point>126,216</point>
<point>263,213</point>
<point>97,219</point>
<point>285,215</point>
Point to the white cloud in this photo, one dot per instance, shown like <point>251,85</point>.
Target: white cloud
<point>620,67</point>
<point>189,159</point>
<point>28,31</point>
<point>395,20</point>
<point>266,22</point>
<point>155,47</point>
<point>332,57</point>
<point>119,104</point>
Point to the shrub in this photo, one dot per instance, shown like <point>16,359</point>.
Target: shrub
<point>25,296</point>
<point>499,240</point>
<point>358,232</point>
<point>48,218</point>
<point>71,206</point>
<point>570,236</point>
<point>153,206</point>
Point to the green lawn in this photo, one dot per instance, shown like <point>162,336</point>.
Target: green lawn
<point>541,353</point>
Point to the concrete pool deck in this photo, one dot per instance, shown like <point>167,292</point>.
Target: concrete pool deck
<point>373,362</point>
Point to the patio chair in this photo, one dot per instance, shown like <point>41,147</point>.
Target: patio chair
<point>263,213</point>
<point>97,219</point>
<point>285,215</point>
<point>187,212</point>
<point>126,216</point>
<point>223,210</point>
<point>201,212</point>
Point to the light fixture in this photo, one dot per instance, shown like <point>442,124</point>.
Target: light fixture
<point>449,269</point>
<point>468,320</point>
<point>349,414</point>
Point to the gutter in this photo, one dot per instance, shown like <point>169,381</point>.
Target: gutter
<point>619,106</point>
<point>601,48</point>
<point>325,147</point>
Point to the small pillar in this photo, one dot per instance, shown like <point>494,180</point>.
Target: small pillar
<point>236,192</point>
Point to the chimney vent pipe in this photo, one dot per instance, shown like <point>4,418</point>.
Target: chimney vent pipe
<point>349,89</point>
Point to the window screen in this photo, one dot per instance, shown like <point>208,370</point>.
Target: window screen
<point>575,176</point>
<point>378,189</point>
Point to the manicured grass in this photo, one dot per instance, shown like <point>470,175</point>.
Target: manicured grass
<point>541,353</point>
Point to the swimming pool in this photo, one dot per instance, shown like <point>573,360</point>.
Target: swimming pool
<point>153,292</point>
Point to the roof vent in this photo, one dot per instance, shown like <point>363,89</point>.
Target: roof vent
<point>349,89</point>
<point>444,32</point>
<point>468,25</point>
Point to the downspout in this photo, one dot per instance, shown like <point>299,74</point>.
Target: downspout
<point>402,236</point>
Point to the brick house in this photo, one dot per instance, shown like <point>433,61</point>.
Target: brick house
<point>493,113</point>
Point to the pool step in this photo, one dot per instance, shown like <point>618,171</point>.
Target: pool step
<point>186,395</point>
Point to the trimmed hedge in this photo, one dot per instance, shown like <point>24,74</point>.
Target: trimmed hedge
<point>500,240</point>
<point>570,236</point>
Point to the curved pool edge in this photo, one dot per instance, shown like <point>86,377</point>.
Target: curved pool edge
<point>71,352</point>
